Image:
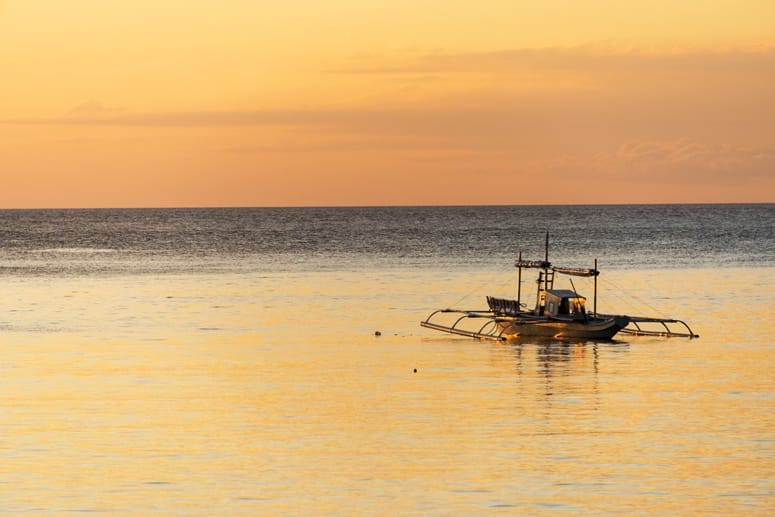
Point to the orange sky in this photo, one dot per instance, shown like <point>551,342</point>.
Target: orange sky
<point>302,102</point>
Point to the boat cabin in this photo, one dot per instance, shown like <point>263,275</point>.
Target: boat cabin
<point>565,304</point>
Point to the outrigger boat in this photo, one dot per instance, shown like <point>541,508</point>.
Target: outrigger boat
<point>558,313</point>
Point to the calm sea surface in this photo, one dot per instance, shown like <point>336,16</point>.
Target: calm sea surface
<point>224,362</point>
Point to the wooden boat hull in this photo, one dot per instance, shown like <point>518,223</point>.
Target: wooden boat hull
<point>596,328</point>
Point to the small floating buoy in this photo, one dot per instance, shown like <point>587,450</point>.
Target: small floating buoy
<point>377,333</point>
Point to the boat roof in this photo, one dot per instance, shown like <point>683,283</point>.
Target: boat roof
<point>564,293</point>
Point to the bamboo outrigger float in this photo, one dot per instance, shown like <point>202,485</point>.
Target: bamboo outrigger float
<point>558,313</point>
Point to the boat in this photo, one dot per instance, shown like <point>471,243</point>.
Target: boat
<point>557,314</point>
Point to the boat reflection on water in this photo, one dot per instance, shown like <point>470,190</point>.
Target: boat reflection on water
<point>553,354</point>
<point>562,371</point>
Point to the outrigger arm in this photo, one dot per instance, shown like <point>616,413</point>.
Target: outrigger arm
<point>489,330</point>
<point>667,332</point>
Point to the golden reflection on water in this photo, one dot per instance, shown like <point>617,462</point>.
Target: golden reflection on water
<point>271,395</point>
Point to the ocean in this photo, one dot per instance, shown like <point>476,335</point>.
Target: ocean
<point>245,361</point>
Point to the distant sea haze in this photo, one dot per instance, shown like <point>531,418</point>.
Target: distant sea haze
<point>158,241</point>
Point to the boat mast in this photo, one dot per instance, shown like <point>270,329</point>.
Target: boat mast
<point>546,248</point>
<point>594,306</point>
<point>519,278</point>
<point>543,279</point>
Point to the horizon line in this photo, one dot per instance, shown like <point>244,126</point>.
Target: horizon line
<point>454,205</point>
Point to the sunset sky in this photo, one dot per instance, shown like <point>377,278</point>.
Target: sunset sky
<point>403,102</point>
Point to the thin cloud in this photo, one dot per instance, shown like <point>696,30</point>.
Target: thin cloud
<point>96,117</point>
<point>565,90</point>
<point>583,59</point>
<point>686,160</point>
<point>400,120</point>
<point>93,109</point>
<point>672,117</point>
